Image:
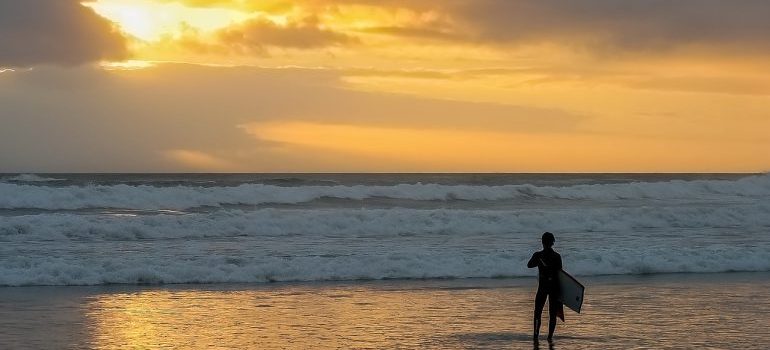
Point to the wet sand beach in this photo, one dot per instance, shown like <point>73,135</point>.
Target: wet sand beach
<point>669,311</point>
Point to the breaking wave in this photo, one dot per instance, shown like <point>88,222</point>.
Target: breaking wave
<point>92,234</point>
<point>319,245</point>
<point>13,195</point>
<point>30,178</point>
<point>377,223</point>
<point>222,268</point>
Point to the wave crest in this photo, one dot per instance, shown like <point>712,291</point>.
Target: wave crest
<point>318,245</point>
<point>145,197</point>
<point>30,178</point>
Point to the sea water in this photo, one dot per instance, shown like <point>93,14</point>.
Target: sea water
<point>98,229</point>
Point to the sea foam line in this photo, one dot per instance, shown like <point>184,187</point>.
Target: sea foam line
<point>402,264</point>
<point>146,197</point>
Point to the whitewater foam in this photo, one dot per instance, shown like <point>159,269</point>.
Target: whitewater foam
<point>404,264</point>
<point>377,222</point>
<point>314,245</point>
<point>154,236</point>
<point>187,197</point>
<point>30,178</point>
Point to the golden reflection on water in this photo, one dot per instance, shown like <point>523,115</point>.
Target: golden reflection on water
<point>300,317</point>
<point>426,315</point>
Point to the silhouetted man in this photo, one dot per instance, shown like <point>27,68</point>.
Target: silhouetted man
<point>548,264</point>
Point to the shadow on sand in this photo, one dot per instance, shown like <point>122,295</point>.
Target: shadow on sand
<point>493,340</point>
<point>497,340</point>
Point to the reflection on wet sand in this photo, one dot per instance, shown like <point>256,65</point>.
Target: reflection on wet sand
<point>481,314</point>
<point>305,317</point>
<point>669,311</point>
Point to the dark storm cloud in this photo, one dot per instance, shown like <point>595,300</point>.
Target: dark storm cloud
<point>63,32</point>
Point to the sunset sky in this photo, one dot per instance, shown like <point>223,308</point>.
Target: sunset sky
<point>384,85</point>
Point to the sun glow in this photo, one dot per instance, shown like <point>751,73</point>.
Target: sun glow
<point>126,65</point>
<point>150,21</point>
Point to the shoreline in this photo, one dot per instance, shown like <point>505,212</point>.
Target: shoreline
<point>620,311</point>
<point>384,281</point>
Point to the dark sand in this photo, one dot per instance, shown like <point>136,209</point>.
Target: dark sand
<point>676,311</point>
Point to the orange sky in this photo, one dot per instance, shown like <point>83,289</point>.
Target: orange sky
<point>392,85</point>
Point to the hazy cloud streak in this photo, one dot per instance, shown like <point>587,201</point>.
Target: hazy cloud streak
<point>174,117</point>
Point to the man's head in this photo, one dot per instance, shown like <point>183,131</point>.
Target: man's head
<point>548,240</point>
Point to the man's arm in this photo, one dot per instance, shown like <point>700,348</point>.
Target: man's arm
<point>534,261</point>
<point>558,262</point>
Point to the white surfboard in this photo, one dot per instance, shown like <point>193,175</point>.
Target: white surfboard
<point>571,291</point>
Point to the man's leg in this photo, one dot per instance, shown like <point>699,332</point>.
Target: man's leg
<point>539,304</point>
<point>553,309</point>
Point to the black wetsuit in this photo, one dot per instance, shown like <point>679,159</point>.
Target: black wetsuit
<point>548,264</point>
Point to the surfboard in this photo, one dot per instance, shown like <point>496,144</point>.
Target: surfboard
<point>571,291</point>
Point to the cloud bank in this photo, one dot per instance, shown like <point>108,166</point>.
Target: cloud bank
<point>620,25</point>
<point>598,25</point>
<point>258,33</point>
<point>61,32</point>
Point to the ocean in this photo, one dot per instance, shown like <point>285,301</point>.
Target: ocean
<point>101,229</point>
<point>379,261</point>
